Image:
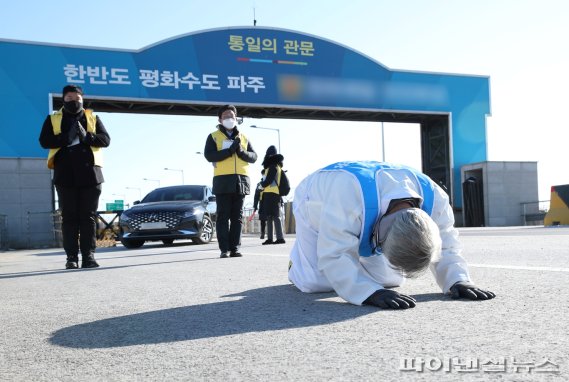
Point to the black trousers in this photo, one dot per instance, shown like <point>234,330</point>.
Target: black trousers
<point>79,219</point>
<point>229,221</point>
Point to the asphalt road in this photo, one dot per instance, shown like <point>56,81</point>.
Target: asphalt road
<point>181,313</point>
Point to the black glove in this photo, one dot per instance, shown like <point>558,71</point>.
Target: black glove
<point>467,290</point>
<point>237,142</point>
<point>80,131</point>
<point>390,299</point>
<point>235,145</point>
<point>71,135</point>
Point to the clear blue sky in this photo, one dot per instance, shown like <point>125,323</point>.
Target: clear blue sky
<point>520,44</point>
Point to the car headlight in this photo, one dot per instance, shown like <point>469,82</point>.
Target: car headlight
<point>124,218</point>
<point>189,213</point>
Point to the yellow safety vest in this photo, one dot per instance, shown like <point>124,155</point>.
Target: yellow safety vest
<point>91,128</point>
<point>274,186</point>
<point>233,164</point>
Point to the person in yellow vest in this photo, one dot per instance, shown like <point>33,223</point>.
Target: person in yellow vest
<point>272,200</point>
<point>74,137</point>
<point>230,152</point>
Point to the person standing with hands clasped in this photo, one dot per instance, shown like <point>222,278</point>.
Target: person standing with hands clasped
<point>272,164</point>
<point>74,137</point>
<point>230,152</point>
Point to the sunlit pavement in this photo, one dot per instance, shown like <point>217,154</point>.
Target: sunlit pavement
<point>182,313</point>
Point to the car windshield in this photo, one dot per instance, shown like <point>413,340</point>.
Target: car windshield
<point>174,194</point>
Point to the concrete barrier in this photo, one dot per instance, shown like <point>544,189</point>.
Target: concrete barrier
<point>558,213</point>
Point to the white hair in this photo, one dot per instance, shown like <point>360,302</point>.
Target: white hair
<point>413,240</point>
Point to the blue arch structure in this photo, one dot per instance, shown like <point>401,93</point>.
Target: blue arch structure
<point>241,65</point>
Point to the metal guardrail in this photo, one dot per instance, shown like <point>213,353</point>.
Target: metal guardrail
<point>253,225</point>
<point>48,224</point>
<point>533,213</point>
<point>3,232</point>
<point>107,229</point>
<point>57,229</point>
<point>35,224</point>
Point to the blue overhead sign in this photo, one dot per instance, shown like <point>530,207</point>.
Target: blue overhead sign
<point>242,65</point>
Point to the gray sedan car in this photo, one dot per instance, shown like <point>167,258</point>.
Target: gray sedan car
<point>170,213</point>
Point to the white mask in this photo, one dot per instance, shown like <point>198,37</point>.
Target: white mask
<point>228,123</point>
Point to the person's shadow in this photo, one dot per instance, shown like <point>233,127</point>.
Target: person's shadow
<point>257,310</point>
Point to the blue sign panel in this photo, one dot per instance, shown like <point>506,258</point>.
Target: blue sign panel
<point>242,65</point>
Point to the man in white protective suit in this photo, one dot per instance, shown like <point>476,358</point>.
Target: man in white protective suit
<point>362,227</point>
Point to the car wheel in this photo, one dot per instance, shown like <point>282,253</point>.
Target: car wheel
<point>168,241</point>
<point>206,232</point>
<point>132,244</point>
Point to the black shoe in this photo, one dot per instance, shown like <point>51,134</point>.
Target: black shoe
<point>262,235</point>
<point>268,242</point>
<point>223,255</point>
<point>71,265</point>
<point>280,241</point>
<point>89,263</point>
<point>236,254</point>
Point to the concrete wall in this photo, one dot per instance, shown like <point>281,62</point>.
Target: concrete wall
<point>505,185</point>
<point>26,198</point>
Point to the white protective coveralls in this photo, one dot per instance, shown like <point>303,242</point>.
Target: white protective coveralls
<point>329,212</point>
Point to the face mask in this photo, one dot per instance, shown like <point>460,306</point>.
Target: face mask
<point>228,123</point>
<point>73,107</point>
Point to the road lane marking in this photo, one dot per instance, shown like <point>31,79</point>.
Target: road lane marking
<point>549,269</point>
<point>497,266</point>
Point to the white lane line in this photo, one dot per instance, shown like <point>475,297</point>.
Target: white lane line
<point>549,269</point>
<point>265,254</point>
<point>462,235</point>
<point>497,266</point>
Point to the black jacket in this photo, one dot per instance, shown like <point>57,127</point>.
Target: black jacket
<point>232,183</point>
<point>74,166</point>
<point>271,162</point>
<point>271,201</point>
<point>258,202</point>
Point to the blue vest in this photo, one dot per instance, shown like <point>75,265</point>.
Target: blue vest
<point>365,172</point>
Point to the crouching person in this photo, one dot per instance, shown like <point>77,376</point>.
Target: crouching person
<point>363,227</point>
